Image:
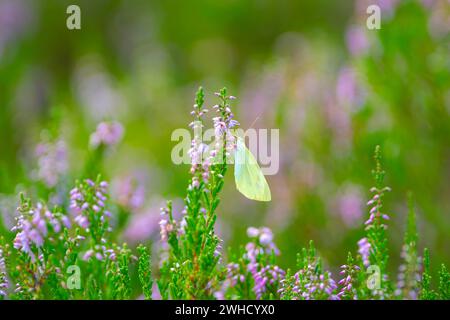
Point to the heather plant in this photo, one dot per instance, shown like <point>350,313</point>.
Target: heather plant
<point>73,250</point>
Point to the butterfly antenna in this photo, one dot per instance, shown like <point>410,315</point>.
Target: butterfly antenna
<point>254,121</point>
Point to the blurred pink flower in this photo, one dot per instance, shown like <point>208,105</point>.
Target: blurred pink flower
<point>129,191</point>
<point>387,7</point>
<point>143,225</point>
<point>439,21</point>
<point>107,133</point>
<point>97,92</point>
<point>16,16</point>
<point>349,204</point>
<point>357,42</point>
<point>348,93</point>
<point>52,162</point>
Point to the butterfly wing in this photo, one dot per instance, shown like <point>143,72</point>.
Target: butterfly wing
<point>249,178</point>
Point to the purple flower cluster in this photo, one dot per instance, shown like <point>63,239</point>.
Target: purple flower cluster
<point>33,227</point>
<point>107,133</point>
<point>311,285</point>
<point>347,289</point>
<point>129,192</point>
<point>100,252</point>
<point>199,160</point>
<point>264,237</point>
<point>269,275</point>
<point>263,275</point>
<point>165,225</point>
<point>376,205</point>
<point>232,278</point>
<point>364,250</point>
<point>3,276</point>
<point>409,275</point>
<point>203,156</point>
<point>86,198</point>
<point>222,126</point>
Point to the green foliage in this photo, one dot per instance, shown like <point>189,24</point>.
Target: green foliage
<point>145,271</point>
<point>426,292</point>
<point>444,283</point>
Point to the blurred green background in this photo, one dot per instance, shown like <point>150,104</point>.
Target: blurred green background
<point>309,68</point>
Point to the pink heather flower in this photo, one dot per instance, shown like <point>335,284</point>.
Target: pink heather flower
<point>129,192</point>
<point>107,133</point>
<point>409,275</point>
<point>263,276</point>
<point>88,254</point>
<point>357,42</point>
<point>4,284</point>
<point>364,250</point>
<point>349,206</point>
<point>375,210</point>
<point>166,226</point>
<point>32,229</point>
<point>268,276</point>
<point>143,225</point>
<point>265,239</point>
<point>310,285</point>
<point>349,94</point>
<point>346,282</point>
<point>252,232</point>
<point>266,236</point>
<point>96,195</point>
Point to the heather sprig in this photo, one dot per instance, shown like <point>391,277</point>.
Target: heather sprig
<point>349,281</point>
<point>193,253</point>
<point>39,241</point>
<point>444,283</point>
<point>119,273</point>
<point>88,204</point>
<point>107,135</point>
<point>4,282</point>
<point>311,281</point>
<point>145,271</point>
<point>260,255</point>
<point>374,248</point>
<point>409,270</point>
<point>426,292</point>
<point>253,274</point>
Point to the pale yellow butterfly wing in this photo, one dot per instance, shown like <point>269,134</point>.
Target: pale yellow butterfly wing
<point>249,178</point>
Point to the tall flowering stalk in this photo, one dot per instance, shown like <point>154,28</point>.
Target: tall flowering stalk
<point>189,272</point>
<point>409,270</point>
<point>349,281</point>
<point>4,282</point>
<point>373,248</point>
